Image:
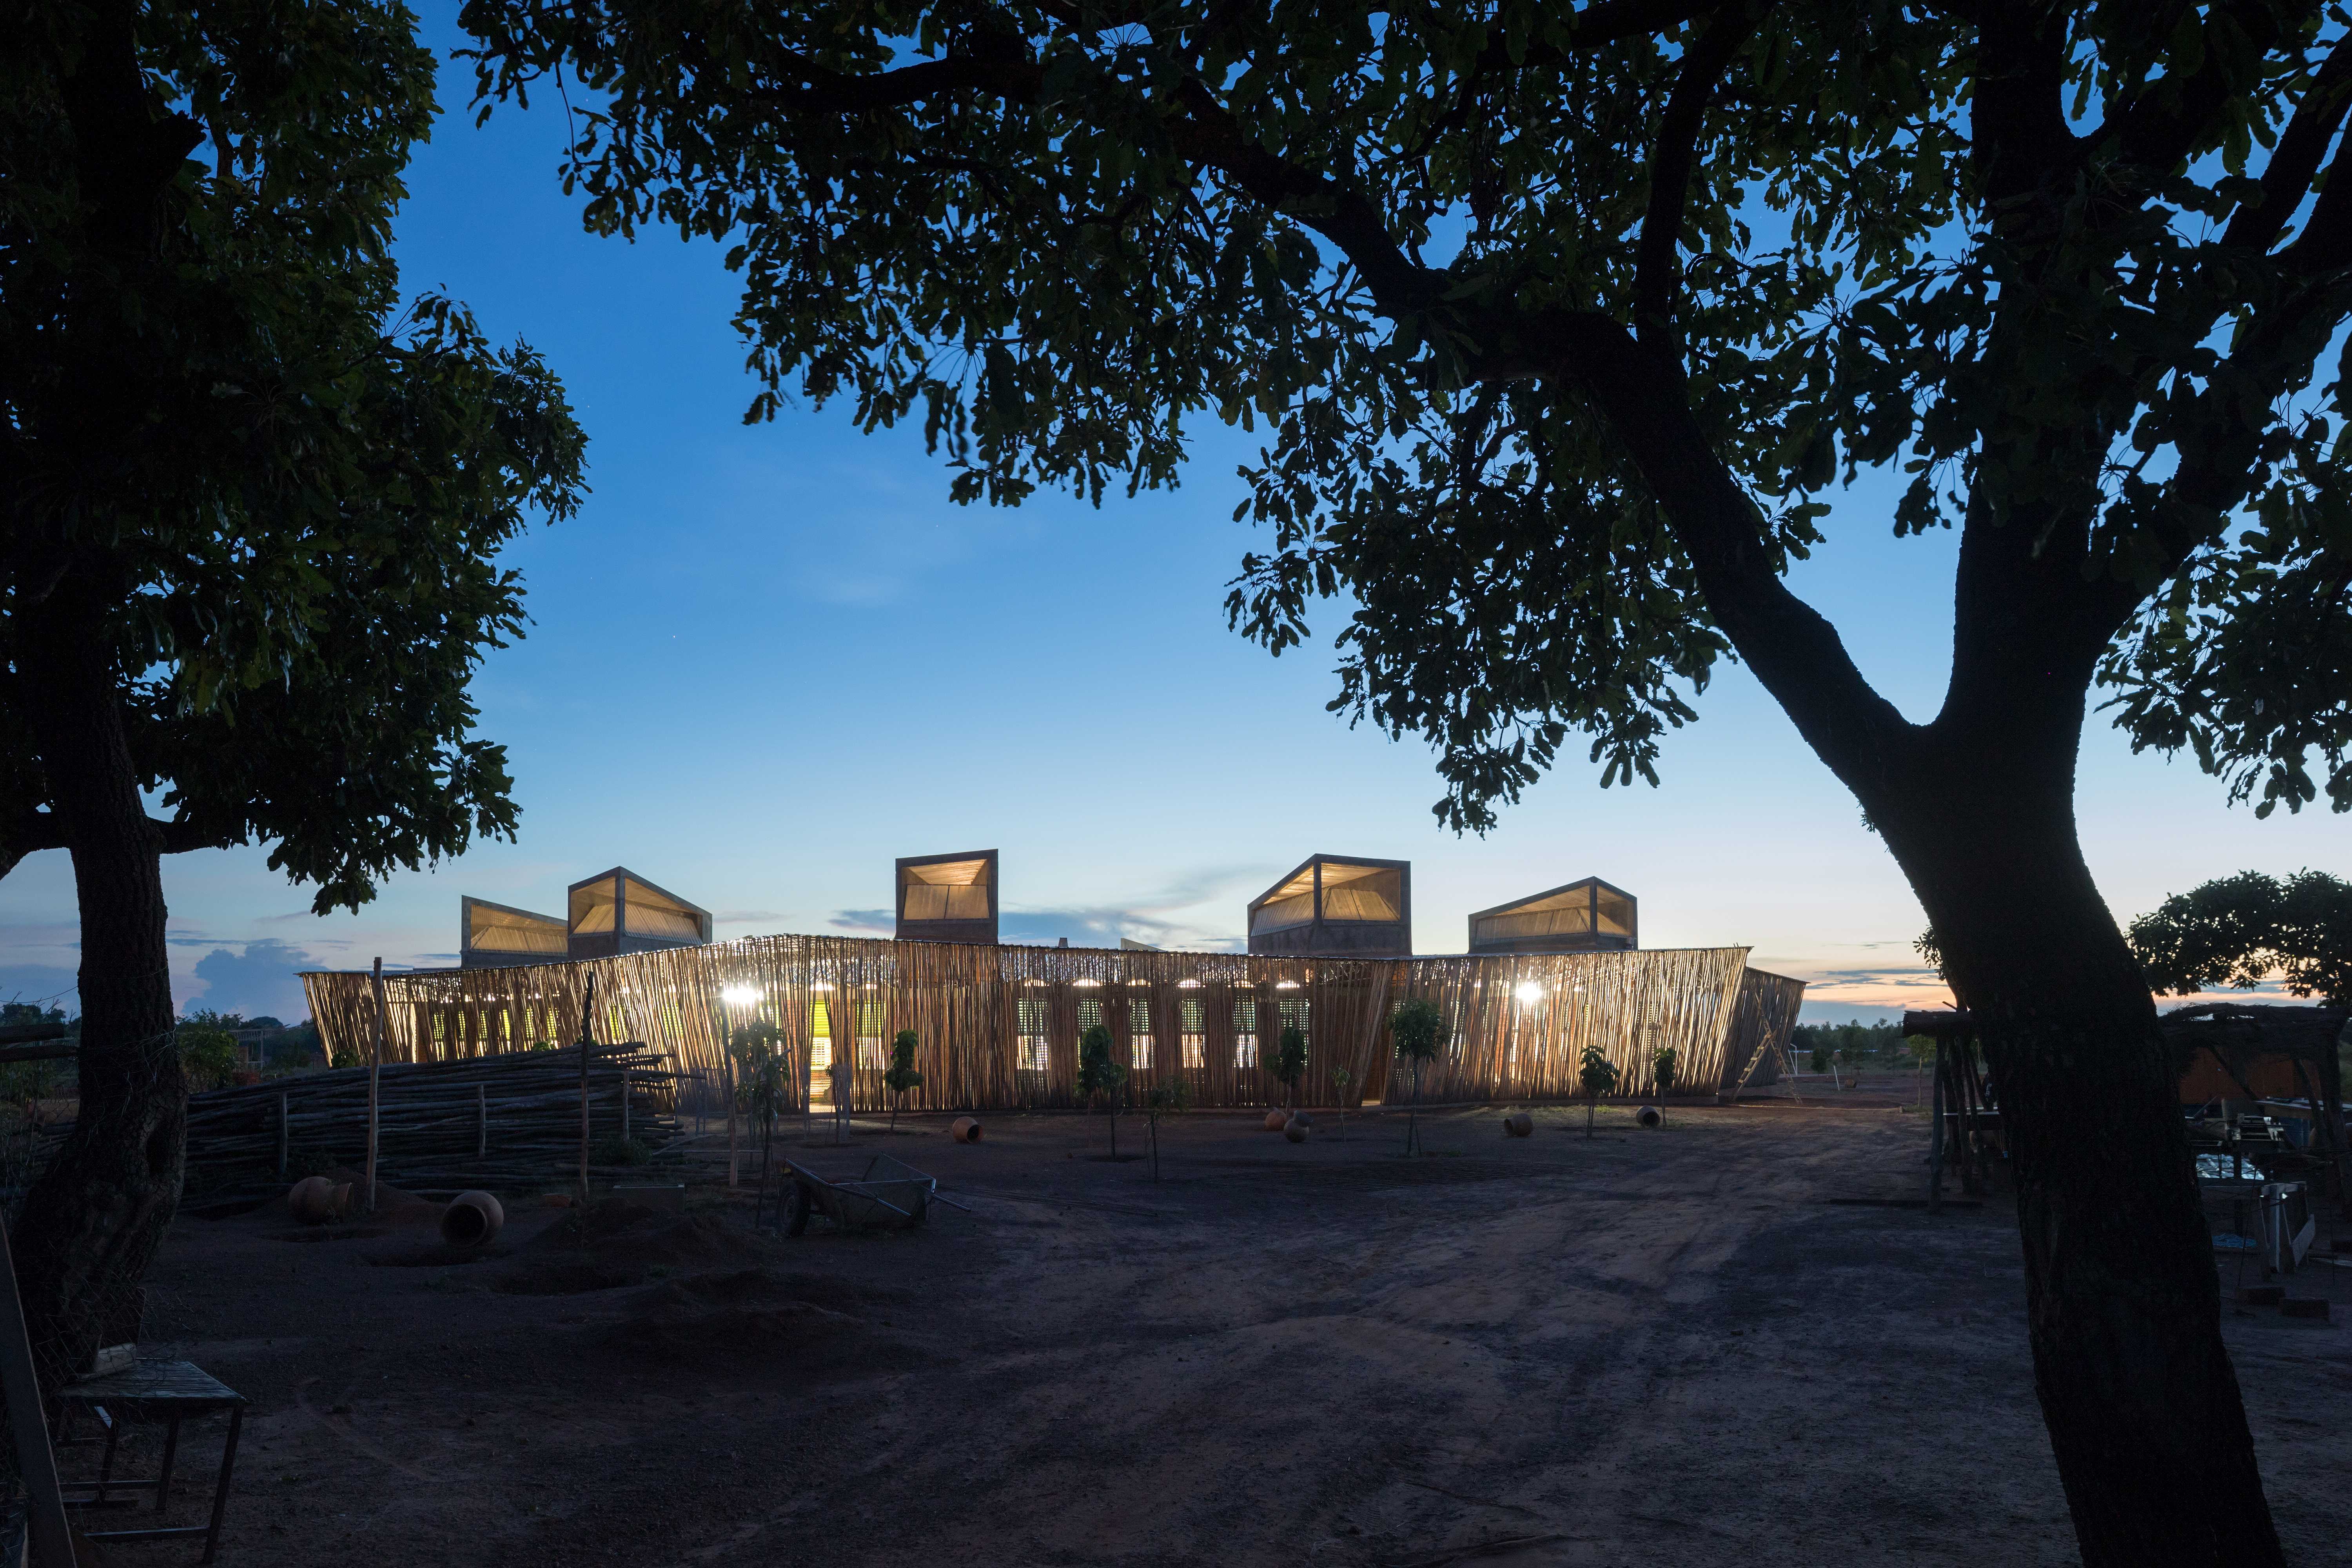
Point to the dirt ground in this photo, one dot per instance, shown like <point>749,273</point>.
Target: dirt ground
<point>1647,1347</point>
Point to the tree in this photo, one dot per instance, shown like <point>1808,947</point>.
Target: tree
<point>755,1053</point>
<point>1420,1030</point>
<point>208,1053</point>
<point>250,507</point>
<point>1597,1076</point>
<point>1175,1094</point>
<point>901,1075</point>
<point>1290,1061</point>
<point>2243,930</point>
<point>1098,1075</point>
<point>1341,1079</point>
<point>1560,323</point>
<point>1662,1069</point>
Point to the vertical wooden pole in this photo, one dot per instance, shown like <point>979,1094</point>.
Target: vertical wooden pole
<point>1936,1138</point>
<point>36,1462</point>
<point>587,1036</point>
<point>375,1068</point>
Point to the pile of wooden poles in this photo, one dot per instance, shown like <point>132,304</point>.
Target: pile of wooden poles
<point>505,1121</point>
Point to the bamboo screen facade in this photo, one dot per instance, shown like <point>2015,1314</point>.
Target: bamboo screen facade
<point>999,1026</point>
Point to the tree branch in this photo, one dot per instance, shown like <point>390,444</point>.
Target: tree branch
<point>1792,649</point>
<point>2286,179</point>
<point>179,835</point>
<point>1657,268</point>
<point>2166,122</point>
<point>2019,138</point>
<point>1210,135</point>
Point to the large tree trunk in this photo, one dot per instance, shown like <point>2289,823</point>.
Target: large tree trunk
<point>92,1223</point>
<point>2142,1406</point>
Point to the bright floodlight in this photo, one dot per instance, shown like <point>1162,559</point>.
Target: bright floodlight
<point>1528,992</point>
<point>740,995</point>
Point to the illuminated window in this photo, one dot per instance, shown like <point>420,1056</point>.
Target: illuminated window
<point>1031,1037</point>
<point>869,1033</point>
<point>820,1039</point>
<point>1294,1013</point>
<point>1193,1031</point>
<point>1244,1031</point>
<point>1138,1032</point>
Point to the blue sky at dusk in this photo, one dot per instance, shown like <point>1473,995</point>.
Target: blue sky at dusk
<point>767,661</point>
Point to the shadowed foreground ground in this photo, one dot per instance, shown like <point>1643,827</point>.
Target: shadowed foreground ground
<point>1649,1347</point>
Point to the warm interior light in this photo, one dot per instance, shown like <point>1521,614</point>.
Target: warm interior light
<point>1528,992</point>
<point>740,995</point>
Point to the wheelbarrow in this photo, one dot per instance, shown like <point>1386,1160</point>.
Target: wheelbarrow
<point>889,1195</point>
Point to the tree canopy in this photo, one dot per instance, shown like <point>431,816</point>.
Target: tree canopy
<point>2244,929</point>
<point>1560,323</point>
<point>274,492</point>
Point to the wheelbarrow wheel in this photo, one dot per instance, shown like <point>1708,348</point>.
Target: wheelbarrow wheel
<point>797,1213</point>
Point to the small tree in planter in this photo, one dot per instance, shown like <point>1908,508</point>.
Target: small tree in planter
<point>1418,1028</point>
<point>1290,1063</point>
<point>901,1076</point>
<point>1598,1074</point>
<point>1175,1094</point>
<point>1098,1074</point>
<point>1341,1080</point>
<point>1661,1068</point>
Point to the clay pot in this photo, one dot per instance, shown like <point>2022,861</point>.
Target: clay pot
<point>966,1130</point>
<point>1518,1124</point>
<point>1275,1120</point>
<point>1648,1117</point>
<point>472,1219</point>
<point>1295,1132</point>
<point>314,1200</point>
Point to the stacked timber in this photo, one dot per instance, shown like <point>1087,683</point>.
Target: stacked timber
<point>507,1121</point>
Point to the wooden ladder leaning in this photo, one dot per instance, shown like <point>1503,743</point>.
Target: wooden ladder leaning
<point>1764,1047</point>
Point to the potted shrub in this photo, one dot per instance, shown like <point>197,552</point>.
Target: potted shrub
<point>1661,1068</point>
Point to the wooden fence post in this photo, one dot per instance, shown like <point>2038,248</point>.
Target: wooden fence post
<point>586,1036</point>
<point>375,1071</point>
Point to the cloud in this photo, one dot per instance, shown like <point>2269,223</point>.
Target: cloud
<point>745,916</point>
<point>1154,921</point>
<point>1103,926</point>
<point>260,980</point>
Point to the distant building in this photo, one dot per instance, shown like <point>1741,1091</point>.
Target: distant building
<point>1336,904</point>
<point>618,911</point>
<point>948,897</point>
<point>1589,916</point>
<point>493,936</point>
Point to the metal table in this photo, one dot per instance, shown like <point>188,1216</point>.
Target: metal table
<point>165,1391</point>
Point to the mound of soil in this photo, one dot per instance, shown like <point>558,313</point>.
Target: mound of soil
<point>434,1255</point>
<point>756,1315</point>
<point>612,1244</point>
